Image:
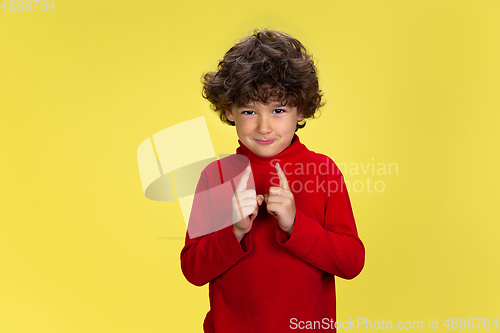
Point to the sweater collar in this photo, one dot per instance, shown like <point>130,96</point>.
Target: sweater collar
<point>293,152</point>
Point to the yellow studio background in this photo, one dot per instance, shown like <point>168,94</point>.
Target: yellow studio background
<point>415,83</point>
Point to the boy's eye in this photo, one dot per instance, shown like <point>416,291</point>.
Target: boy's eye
<point>279,111</point>
<point>247,112</point>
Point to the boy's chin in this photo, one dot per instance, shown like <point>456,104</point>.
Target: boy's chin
<point>267,150</point>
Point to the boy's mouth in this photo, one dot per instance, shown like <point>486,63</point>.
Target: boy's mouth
<point>264,142</point>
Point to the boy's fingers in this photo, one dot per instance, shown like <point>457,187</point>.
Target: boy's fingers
<point>247,202</point>
<point>273,190</point>
<point>277,199</point>
<point>245,194</point>
<point>254,213</point>
<point>282,177</point>
<point>271,209</point>
<point>240,209</point>
<point>242,185</point>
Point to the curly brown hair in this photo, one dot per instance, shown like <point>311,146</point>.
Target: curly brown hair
<point>267,65</point>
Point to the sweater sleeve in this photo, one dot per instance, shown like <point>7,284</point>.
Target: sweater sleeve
<point>206,257</point>
<point>334,247</point>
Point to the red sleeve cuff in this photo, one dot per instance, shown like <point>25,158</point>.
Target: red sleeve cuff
<point>231,248</point>
<point>282,236</point>
<point>302,233</point>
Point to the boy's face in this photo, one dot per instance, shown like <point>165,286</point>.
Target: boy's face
<point>265,129</point>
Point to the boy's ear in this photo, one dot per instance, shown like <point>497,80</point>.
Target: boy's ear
<point>300,117</point>
<point>229,114</point>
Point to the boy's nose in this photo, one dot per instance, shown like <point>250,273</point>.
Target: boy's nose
<point>264,125</point>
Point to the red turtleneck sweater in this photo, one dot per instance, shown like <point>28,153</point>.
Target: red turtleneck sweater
<point>273,282</point>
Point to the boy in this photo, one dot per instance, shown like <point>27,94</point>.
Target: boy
<point>272,268</point>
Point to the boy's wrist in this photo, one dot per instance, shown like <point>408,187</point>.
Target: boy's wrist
<point>238,233</point>
<point>289,229</point>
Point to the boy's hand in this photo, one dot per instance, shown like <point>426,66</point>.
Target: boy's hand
<point>245,206</point>
<point>280,202</point>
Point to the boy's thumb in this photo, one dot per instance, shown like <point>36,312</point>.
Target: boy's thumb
<point>260,199</point>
